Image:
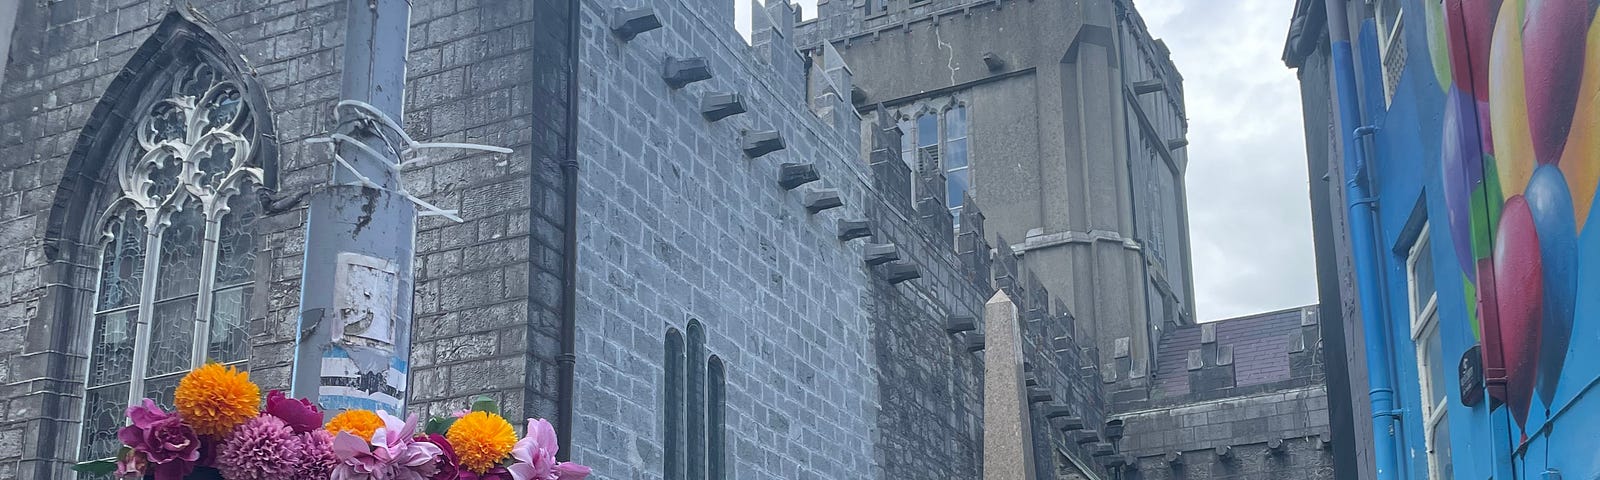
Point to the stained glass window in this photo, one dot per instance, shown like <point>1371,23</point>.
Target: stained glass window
<point>177,246</point>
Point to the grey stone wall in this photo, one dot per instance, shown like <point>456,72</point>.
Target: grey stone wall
<point>1234,438</point>
<point>486,289</point>
<point>66,57</point>
<point>677,223</point>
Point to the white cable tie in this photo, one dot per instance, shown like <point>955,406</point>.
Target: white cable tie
<point>430,209</point>
<point>463,146</point>
<point>364,147</point>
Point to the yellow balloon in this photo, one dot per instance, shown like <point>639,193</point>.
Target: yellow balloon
<point>1438,43</point>
<point>1580,161</point>
<point>1508,104</point>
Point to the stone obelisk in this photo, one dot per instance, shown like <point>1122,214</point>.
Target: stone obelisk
<point>1006,429</point>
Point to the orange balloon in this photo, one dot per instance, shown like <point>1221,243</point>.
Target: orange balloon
<point>1508,104</point>
<point>1580,161</point>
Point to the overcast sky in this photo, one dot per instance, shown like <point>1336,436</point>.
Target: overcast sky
<point>1249,214</point>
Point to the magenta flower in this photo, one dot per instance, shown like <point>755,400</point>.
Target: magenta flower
<point>316,455</point>
<point>299,413</point>
<point>264,448</point>
<point>171,448</point>
<point>496,473</point>
<point>449,464</point>
<point>392,453</point>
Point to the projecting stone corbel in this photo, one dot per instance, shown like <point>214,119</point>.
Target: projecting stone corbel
<point>793,175</point>
<point>881,253</point>
<point>1057,410</point>
<point>903,271</point>
<point>717,106</point>
<point>960,323</point>
<point>757,144</point>
<point>974,342</point>
<point>822,199</point>
<point>853,229</point>
<point>1039,395</point>
<point>679,72</point>
<point>1070,424</point>
<point>626,23</point>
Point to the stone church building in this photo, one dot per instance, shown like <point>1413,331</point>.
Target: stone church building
<point>702,257</point>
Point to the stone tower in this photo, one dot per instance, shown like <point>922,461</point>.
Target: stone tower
<point>1066,121</point>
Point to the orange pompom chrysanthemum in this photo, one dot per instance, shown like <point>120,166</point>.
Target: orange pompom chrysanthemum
<point>482,440</point>
<point>361,423</point>
<point>213,399</point>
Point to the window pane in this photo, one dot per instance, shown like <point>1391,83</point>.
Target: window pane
<point>716,415</point>
<point>111,354</point>
<point>673,443</point>
<point>1422,273</point>
<point>230,325</point>
<point>696,409</point>
<point>102,416</point>
<point>179,272</point>
<point>956,183</point>
<point>122,263</point>
<point>927,130</point>
<point>1441,450</point>
<point>236,241</point>
<point>957,156</point>
<point>1439,368</point>
<point>171,336</point>
<point>955,123</point>
<point>161,389</point>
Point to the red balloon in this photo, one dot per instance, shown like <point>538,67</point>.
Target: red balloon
<point>1519,299</point>
<point>1468,28</point>
<point>1552,56</point>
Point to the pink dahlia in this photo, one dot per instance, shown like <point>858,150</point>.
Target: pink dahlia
<point>264,448</point>
<point>392,453</point>
<point>316,455</point>
<point>535,456</point>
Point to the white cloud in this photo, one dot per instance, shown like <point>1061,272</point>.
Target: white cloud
<point>1249,212</point>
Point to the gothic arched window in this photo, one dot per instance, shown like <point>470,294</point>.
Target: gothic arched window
<point>176,239</point>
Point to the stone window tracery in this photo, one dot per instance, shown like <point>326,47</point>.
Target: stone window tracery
<point>177,245</point>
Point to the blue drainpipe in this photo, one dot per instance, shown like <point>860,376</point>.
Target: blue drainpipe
<point>1364,246</point>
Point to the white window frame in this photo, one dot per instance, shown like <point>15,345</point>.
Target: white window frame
<point>1388,46</point>
<point>1425,324</point>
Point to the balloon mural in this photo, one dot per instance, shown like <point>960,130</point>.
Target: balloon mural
<point>1520,162</point>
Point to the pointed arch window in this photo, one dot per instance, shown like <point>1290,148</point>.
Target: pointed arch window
<point>177,244</point>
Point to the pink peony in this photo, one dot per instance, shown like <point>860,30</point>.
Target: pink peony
<point>316,455</point>
<point>299,413</point>
<point>535,453</point>
<point>264,448</point>
<point>571,471</point>
<point>171,448</point>
<point>130,466</point>
<point>392,453</point>
<point>536,456</point>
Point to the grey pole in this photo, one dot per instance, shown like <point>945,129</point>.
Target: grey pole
<point>354,337</point>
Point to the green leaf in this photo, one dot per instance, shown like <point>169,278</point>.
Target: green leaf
<point>97,467</point>
<point>485,404</point>
<point>439,425</point>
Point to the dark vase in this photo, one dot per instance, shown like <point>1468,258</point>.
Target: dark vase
<point>200,473</point>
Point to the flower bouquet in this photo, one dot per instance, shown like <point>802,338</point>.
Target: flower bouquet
<point>220,430</point>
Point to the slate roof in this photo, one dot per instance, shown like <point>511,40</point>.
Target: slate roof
<point>1260,350</point>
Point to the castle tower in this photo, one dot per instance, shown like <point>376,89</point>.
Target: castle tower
<point>1066,121</point>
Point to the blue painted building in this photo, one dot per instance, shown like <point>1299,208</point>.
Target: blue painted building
<point>1453,151</point>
